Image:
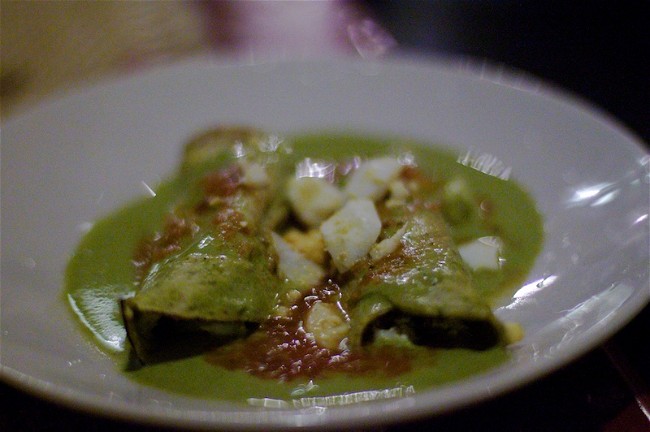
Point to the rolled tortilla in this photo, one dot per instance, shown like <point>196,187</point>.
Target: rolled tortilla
<point>423,289</point>
<point>219,282</point>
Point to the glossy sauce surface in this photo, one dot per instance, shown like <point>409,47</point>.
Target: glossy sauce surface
<point>282,361</point>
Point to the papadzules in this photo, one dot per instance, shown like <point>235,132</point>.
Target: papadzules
<point>422,289</point>
<point>409,278</point>
<point>208,276</point>
<point>255,231</point>
<point>392,254</point>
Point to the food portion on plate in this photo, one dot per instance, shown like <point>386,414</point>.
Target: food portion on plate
<point>324,263</point>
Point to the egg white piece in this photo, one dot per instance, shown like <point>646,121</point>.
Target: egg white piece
<point>313,199</point>
<point>387,245</point>
<point>327,324</point>
<point>255,174</point>
<point>294,266</point>
<point>351,232</point>
<point>372,178</point>
<point>482,253</point>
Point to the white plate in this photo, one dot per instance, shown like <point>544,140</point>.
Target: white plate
<point>76,157</point>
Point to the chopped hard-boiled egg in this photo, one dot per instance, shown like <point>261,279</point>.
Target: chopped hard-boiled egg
<point>397,194</point>
<point>372,178</point>
<point>310,244</point>
<point>351,232</point>
<point>255,174</point>
<point>327,324</point>
<point>294,266</point>
<point>313,199</point>
<point>483,253</point>
<point>387,245</point>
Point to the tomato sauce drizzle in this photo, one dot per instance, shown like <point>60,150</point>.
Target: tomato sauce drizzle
<point>222,183</point>
<point>162,244</point>
<point>283,350</point>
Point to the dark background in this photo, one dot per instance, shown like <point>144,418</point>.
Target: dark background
<point>598,50</point>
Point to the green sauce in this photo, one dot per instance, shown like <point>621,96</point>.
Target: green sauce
<point>101,271</point>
